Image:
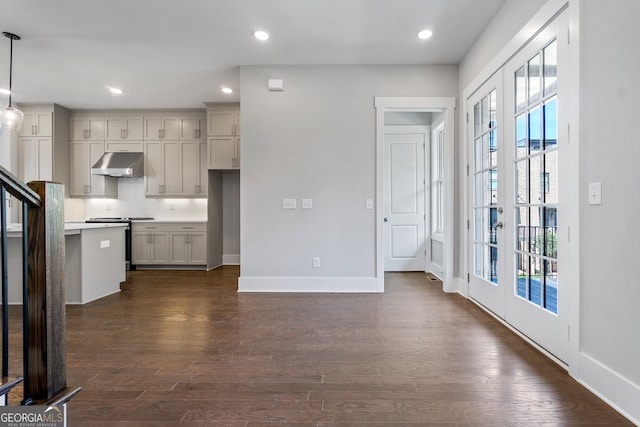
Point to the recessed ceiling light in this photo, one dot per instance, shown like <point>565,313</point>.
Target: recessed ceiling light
<point>5,91</point>
<point>261,35</point>
<point>227,90</point>
<point>425,34</point>
<point>115,91</point>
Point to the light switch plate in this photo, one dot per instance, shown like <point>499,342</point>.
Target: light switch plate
<point>368,204</point>
<point>105,244</point>
<point>595,193</point>
<point>288,203</point>
<point>307,203</point>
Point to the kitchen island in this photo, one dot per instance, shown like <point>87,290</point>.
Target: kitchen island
<point>94,261</point>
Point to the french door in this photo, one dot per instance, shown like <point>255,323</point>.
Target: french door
<point>517,190</point>
<point>487,280</point>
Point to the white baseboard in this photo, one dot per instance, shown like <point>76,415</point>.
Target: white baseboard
<point>231,259</point>
<point>308,284</point>
<point>462,286</point>
<point>611,387</point>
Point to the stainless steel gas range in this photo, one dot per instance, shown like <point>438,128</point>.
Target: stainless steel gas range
<point>127,233</point>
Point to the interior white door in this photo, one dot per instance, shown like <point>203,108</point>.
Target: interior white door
<point>404,202</point>
<point>536,137</point>
<point>487,283</point>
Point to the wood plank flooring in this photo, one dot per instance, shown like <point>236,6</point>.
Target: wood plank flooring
<point>184,348</point>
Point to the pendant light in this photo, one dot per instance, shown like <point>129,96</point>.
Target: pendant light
<point>10,117</point>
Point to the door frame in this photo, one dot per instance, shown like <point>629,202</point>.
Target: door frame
<point>417,104</point>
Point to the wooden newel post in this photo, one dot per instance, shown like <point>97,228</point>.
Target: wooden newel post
<point>46,366</point>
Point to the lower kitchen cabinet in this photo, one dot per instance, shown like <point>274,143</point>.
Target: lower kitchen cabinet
<point>169,244</point>
<point>149,245</point>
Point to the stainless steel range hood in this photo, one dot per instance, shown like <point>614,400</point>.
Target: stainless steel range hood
<point>120,164</point>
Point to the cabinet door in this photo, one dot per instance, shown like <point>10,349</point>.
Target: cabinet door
<point>198,248</point>
<point>79,165</point>
<point>37,123</point>
<point>179,248</point>
<point>153,176</point>
<point>160,247</point>
<point>133,128</point>
<point>236,160</point>
<point>28,159</point>
<point>95,128</point>
<point>222,152</point>
<point>152,127</point>
<point>140,248</point>
<point>171,168</point>
<point>188,128</point>
<point>221,123</point>
<point>77,129</point>
<point>171,128</point>
<point>203,169</point>
<point>236,130</point>
<point>188,167</point>
<point>95,150</point>
<point>114,128</point>
<point>202,128</point>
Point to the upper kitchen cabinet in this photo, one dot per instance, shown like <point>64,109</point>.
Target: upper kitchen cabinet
<point>162,168</point>
<point>162,128</point>
<point>124,128</point>
<point>223,122</point>
<point>85,154</point>
<point>193,128</point>
<point>37,122</point>
<point>43,144</point>
<point>87,128</point>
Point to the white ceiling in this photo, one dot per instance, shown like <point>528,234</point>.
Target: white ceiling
<point>178,53</point>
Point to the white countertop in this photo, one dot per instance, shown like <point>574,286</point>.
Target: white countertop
<point>69,227</point>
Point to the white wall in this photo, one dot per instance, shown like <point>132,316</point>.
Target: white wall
<point>317,140</point>
<point>610,150</point>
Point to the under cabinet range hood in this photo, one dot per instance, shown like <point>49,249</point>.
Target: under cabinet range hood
<point>124,164</point>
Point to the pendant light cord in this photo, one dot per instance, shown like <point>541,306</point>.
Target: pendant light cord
<point>10,68</point>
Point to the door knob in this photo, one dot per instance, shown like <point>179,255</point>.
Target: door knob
<point>386,220</point>
<point>498,225</point>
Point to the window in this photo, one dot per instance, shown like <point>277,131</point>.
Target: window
<point>536,173</point>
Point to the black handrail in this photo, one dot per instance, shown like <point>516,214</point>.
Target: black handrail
<point>29,198</point>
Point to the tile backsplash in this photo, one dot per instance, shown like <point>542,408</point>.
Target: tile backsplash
<point>132,202</point>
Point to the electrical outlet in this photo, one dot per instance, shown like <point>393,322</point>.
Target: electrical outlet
<point>368,204</point>
<point>316,262</point>
<point>108,206</point>
<point>307,203</point>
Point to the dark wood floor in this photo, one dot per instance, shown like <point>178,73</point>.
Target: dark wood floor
<point>184,348</point>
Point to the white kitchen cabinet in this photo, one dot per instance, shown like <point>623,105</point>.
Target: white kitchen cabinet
<point>193,168</point>
<point>85,154</point>
<point>188,244</point>
<point>223,122</point>
<point>162,128</point>
<point>193,128</point>
<point>224,152</point>
<point>36,158</point>
<point>149,244</point>
<point>124,128</point>
<point>37,123</point>
<point>90,128</point>
<point>169,243</point>
<point>115,146</point>
<point>42,150</point>
<point>162,168</point>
